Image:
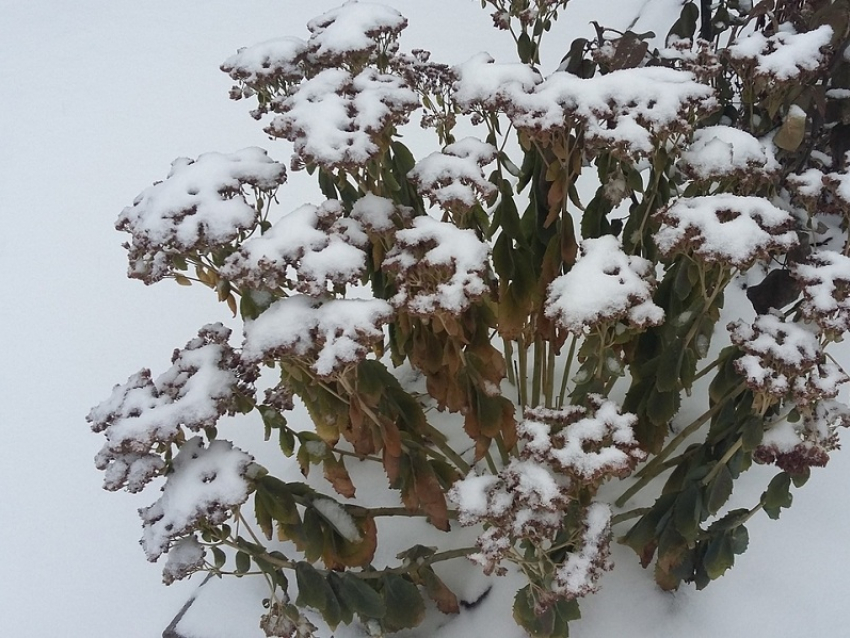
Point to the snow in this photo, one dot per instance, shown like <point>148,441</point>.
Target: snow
<point>323,246</point>
<point>457,252</point>
<point>454,177</point>
<point>341,520</point>
<point>353,28</point>
<point>628,109</point>
<point>200,204</point>
<point>332,118</point>
<point>72,325</point>
<point>206,483</point>
<point>729,228</point>
<point>718,151</point>
<point>336,331</point>
<point>605,285</point>
<point>784,55</point>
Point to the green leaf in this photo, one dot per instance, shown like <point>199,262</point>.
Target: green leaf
<point>752,431</point>
<point>219,557</point>
<point>538,626</point>
<point>719,556</point>
<point>243,562</point>
<point>778,495</point>
<point>361,598</point>
<point>719,490</point>
<point>262,511</point>
<point>403,603</point>
<point>688,511</point>
<point>314,591</point>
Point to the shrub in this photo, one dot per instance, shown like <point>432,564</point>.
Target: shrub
<point>560,335</point>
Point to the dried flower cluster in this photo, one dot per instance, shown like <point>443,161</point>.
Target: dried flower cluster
<point>725,228</point>
<point>143,415</point>
<point>202,205</point>
<point>825,281</point>
<point>561,452</point>
<point>604,287</point>
<point>784,359</point>
<point>309,250</point>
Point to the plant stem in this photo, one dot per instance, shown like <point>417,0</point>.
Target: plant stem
<point>523,372</point>
<point>508,350</point>
<point>723,461</point>
<point>537,373</point>
<point>566,374</point>
<point>550,377</point>
<point>627,516</point>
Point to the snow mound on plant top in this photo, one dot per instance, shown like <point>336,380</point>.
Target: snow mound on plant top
<point>605,285</point>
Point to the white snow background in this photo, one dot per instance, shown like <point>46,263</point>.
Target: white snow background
<point>97,97</point>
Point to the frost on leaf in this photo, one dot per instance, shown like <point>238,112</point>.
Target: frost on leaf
<point>201,205</point>
<point>825,279</point>
<point>723,152</point>
<point>355,29</point>
<point>725,228</point>
<point>185,557</point>
<point>307,250</point>
<point>605,285</point>
<point>784,56</point>
<point>327,334</point>
<point>205,485</point>
<point>453,178</point>
<point>627,112</point>
<point>143,413</point>
<point>336,119</point>
<point>438,267</point>
<point>782,358</point>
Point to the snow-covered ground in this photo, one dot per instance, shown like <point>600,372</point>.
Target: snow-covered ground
<point>96,99</point>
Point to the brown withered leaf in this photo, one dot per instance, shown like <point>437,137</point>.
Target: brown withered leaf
<point>336,474</point>
<point>339,553</point>
<point>424,493</point>
<point>438,591</point>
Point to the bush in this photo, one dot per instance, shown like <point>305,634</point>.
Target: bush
<point>560,335</point>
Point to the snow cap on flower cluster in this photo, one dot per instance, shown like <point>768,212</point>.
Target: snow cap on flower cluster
<point>529,497</point>
<point>272,61</point>
<point>327,333</point>
<point>306,250</point>
<point>825,280</point>
<point>142,413</point>
<point>184,557</point>
<point>725,228</point>
<point>438,266</point>
<point>579,574</point>
<point>335,119</point>
<point>525,500</point>
<point>785,55</point>
<point>379,215</point>
<point>783,358</point>
<point>795,447</point>
<point>202,204</point>
<point>718,152</point>
<point>627,111</point>
<point>587,443</point>
<point>355,28</point>
<point>604,285</point>
<point>453,178</point>
<point>205,485</point>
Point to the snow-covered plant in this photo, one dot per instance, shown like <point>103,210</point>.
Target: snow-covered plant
<point>469,330</point>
